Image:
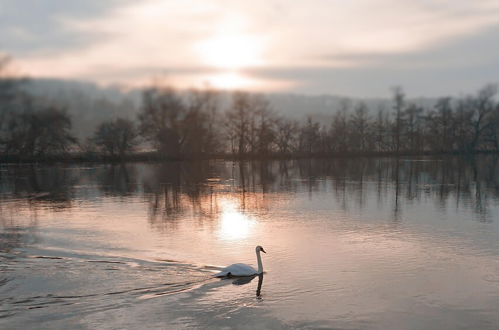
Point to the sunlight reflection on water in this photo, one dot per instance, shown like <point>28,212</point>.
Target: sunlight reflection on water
<point>233,224</point>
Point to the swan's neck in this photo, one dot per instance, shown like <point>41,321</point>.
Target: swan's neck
<point>259,260</point>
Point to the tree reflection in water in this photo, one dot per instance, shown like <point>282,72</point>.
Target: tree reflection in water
<point>175,189</point>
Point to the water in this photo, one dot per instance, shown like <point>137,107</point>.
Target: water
<point>371,244</point>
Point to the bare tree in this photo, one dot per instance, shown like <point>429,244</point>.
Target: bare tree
<point>250,124</point>
<point>359,128</point>
<point>339,128</point>
<point>160,120</point>
<point>238,121</point>
<point>117,137</point>
<point>483,106</point>
<point>203,121</point>
<point>398,107</point>
<point>380,130</point>
<point>39,132</point>
<point>10,98</point>
<point>266,126</point>
<point>414,127</point>
<point>310,137</point>
<point>286,136</point>
<point>493,133</point>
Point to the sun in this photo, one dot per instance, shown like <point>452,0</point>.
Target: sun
<point>228,53</point>
<point>232,52</point>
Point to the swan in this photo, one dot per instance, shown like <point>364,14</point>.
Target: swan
<point>243,269</point>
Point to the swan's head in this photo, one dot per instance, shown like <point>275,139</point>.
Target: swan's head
<point>259,248</point>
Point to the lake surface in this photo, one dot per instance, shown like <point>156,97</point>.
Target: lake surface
<point>351,244</point>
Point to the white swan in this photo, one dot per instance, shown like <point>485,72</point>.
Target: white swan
<point>243,269</point>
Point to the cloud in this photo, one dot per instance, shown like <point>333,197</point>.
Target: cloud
<point>460,66</point>
<point>28,27</point>
<point>309,41</point>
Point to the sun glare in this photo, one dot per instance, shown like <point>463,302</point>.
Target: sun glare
<point>233,224</point>
<point>229,80</point>
<point>232,51</point>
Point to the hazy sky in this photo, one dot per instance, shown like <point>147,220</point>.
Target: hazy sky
<point>357,47</point>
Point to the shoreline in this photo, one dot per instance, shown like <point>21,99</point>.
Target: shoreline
<point>155,157</point>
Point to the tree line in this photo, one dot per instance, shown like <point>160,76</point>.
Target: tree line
<point>190,124</point>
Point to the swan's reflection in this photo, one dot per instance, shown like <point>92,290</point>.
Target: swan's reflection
<point>247,279</point>
<point>243,280</point>
<point>259,287</point>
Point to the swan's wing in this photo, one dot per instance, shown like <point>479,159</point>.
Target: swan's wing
<point>237,270</point>
<point>241,270</point>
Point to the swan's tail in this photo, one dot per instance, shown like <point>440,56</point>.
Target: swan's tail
<point>222,274</point>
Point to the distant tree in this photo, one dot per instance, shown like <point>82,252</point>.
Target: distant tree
<point>238,121</point>
<point>201,125</point>
<point>440,126</point>
<point>463,124</point>
<point>310,137</point>
<point>493,132</point>
<point>482,123</point>
<point>359,128</point>
<point>180,124</point>
<point>286,135</point>
<point>414,127</point>
<point>10,95</point>
<point>398,110</point>
<point>380,129</point>
<point>29,127</point>
<point>266,126</point>
<point>116,137</point>
<point>54,127</point>
<point>339,128</point>
<point>250,124</point>
<point>7,85</point>
<point>39,131</point>
<point>160,120</point>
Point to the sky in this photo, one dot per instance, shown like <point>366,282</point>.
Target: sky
<point>358,48</point>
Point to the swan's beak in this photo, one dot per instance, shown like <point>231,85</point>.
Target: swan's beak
<point>261,249</point>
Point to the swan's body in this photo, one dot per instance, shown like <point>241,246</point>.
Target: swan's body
<point>237,270</point>
<point>243,269</point>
